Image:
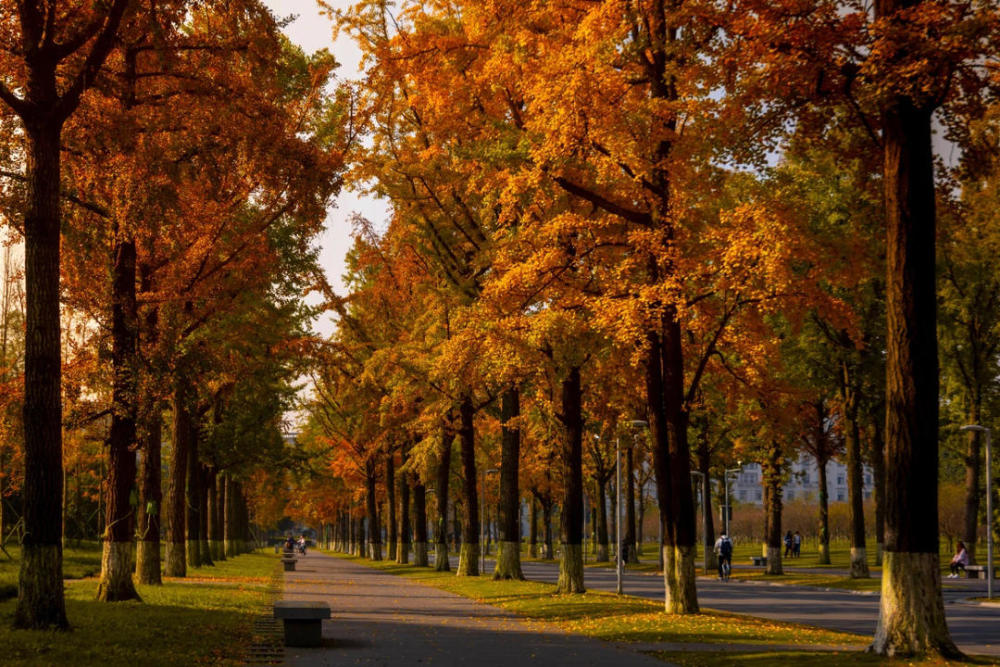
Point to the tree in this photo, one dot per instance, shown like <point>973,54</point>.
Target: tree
<point>56,52</point>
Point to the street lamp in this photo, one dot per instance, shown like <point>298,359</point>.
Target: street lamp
<point>482,521</point>
<point>704,512</point>
<point>725,481</point>
<point>989,507</point>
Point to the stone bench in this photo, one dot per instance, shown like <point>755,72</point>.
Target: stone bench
<point>289,563</point>
<point>979,571</point>
<point>759,561</point>
<point>303,621</point>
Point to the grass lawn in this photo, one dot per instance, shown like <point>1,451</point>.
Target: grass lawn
<point>204,619</point>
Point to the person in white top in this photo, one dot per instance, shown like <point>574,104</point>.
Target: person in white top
<point>959,561</point>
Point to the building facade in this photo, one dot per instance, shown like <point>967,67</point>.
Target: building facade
<point>747,486</point>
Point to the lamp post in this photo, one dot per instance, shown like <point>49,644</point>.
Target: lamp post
<point>704,512</point>
<point>989,507</point>
<point>482,521</point>
<point>725,481</point>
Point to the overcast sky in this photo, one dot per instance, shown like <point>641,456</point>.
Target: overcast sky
<point>312,32</point>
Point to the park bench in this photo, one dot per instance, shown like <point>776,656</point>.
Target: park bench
<point>759,561</point>
<point>303,621</point>
<point>979,571</point>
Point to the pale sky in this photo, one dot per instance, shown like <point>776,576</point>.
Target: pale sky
<point>312,32</point>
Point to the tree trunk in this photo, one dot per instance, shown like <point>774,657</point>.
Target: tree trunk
<point>374,530</point>
<point>973,470</point>
<point>468,557</point>
<point>704,465</point>
<point>208,544</point>
<point>41,603</point>
<point>441,563</point>
<point>603,555</point>
<point>390,501</point>
<point>878,472</point>
<point>571,515</point>
<point>533,528</point>
<point>403,545</point>
<point>508,564</point>
<point>911,616</point>
<point>633,555</point>
<point>193,499</point>
<point>547,520</point>
<point>420,525</point>
<point>824,512</point>
<point>122,497</point>
<point>147,566</point>
<point>772,509</point>
<point>219,522</point>
<point>176,556</point>
<point>229,514</point>
<point>855,486</point>
<point>663,392</point>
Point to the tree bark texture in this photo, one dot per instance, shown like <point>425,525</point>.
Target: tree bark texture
<point>147,566</point>
<point>973,470</point>
<point>855,485</point>
<point>403,544</point>
<point>603,554</point>
<point>571,515</point>
<point>390,500</point>
<point>468,559</point>
<point>824,512</point>
<point>122,495</point>
<point>911,615</point>
<point>772,509</point>
<point>374,533</point>
<point>176,555</point>
<point>630,532</point>
<point>508,564</point>
<point>533,528</point>
<point>193,499</point>
<point>41,603</point>
<point>441,563</point>
<point>420,525</point>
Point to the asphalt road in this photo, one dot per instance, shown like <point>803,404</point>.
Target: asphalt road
<point>975,628</point>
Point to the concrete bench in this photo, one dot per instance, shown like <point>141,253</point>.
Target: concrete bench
<point>979,571</point>
<point>759,561</point>
<point>289,563</point>
<point>303,621</point>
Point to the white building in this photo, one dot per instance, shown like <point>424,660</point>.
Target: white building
<point>747,486</point>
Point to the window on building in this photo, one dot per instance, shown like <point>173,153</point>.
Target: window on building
<point>868,479</point>
<point>743,494</point>
<point>868,495</point>
<point>805,478</point>
<point>840,480</point>
<point>840,496</point>
<point>757,495</point>
<point>790,495</point>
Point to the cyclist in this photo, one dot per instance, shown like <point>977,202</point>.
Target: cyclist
<point>724,550</point>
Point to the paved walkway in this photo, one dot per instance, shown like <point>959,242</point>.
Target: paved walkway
<point>383,619</point>
<point>975,628</point>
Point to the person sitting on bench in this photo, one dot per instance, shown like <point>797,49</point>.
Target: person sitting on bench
<point>959,561</point>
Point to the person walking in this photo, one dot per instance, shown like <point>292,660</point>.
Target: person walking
<point>724,550</point>
<point>796,544</point>
<point>788,544</point>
